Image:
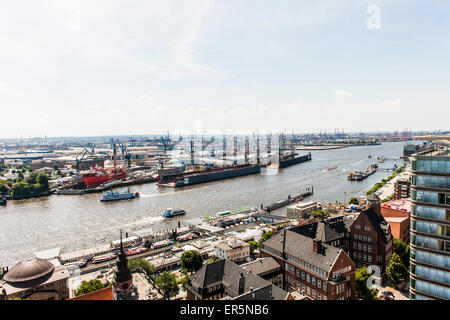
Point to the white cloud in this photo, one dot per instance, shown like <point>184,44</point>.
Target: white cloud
<point>343,93</point>
<point>145,99</point>
<point>394,104</point>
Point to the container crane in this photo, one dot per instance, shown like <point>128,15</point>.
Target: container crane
<point>88,148</point>
<point>117,143</point>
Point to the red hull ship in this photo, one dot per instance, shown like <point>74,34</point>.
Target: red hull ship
<point>96,177</point>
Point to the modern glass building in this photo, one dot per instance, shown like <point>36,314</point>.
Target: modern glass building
<point>430,224</point>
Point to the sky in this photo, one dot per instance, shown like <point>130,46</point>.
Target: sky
<point>87,68</point>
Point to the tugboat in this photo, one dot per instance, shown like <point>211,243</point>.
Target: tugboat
<point>3,202</point>
<point>116,196</point>
<point>170,213</point>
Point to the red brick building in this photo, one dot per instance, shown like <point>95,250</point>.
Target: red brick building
<point>402,189</point>
<point>311,267</point>
<point>396,213</point>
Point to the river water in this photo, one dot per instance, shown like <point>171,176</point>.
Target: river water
<point>78,222</point>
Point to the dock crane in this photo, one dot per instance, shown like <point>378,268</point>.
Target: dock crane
<point>88,148</point>
<point>117,143</point>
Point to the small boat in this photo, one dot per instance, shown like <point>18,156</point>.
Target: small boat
<point>170,213</point>
<point>3,202</point>
<point>116,196</point>
<point>369,156</point>
<point>103,258</point>
<point>160,244</point>
<point>332,168</point>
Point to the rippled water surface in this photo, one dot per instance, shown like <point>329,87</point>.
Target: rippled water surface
<point>76,222</point>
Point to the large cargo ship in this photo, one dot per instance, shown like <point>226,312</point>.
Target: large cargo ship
<point>286,161</point>
<point>195,177</point>
<point>96,177</point>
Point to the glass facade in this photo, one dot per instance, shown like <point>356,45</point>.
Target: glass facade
<point>430,226</point>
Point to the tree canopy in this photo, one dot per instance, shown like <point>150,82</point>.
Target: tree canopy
<point>191,260</point>
<point>362,291</point>
<point>264,237</point>
<point>142,264</point>
<point>89,286</point>
<point>402,250</point>
<point>396,270</point>
<point>353,200</point>
<point>320,214</point>
<point>167,284</point>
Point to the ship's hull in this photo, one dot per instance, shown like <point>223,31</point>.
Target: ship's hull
<point>207,176</point>
<point>92,181</point>
<point>291,161</point>
<point>118,197</point>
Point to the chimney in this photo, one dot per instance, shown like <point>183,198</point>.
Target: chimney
<point>241,284</point>
<point>317,245</point>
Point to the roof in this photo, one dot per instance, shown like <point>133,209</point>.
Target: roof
<point>301,247</point>
<point>318,230</point>
<point>396,219</point>
<point>29,270</point>
<point>400,205</point>
<point>102,294</point>
<point>229,274</point>
<point>58,274</point>
<point>373,197</point>
<point>261,266</point>
<point>378,222</point>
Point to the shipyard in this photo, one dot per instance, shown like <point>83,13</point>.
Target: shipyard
<point>182,152</point>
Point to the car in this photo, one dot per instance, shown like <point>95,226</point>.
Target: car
<point>387,295</point>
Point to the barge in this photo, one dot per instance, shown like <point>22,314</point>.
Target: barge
<point>196,177</point>
<point>290,160</point>
<point>289,200</point>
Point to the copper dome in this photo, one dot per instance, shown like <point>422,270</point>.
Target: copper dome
<point>29,270</point>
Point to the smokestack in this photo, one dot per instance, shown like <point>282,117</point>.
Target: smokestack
<point>317,245</point>
<point>241,283</point>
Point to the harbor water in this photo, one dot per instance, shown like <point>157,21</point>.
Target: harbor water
<point>82,221</point>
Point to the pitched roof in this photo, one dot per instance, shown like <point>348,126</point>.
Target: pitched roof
<point>228,273</point>
<point>378,222</point>
<point>301,247</point>
<point>317,230</point>
<point>262,265</point>
<point>373,197</point>
<point>102,294</point>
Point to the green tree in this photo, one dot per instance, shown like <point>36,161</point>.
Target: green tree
<point>20,190</point>
<point>55,167</point>
<point>396,269</point>
<point>143,265</point>
<point>362,291</point>
<point>353,200</point>
<point>167,284</point>
<point>253,245</point>
<point>42,179</point>
<point>213,259</point>
<point>402,250</point>
<point>183,281</point>
<point>191,260</point>
<point>320,214</point>
<point>264,237</point>
<point>89,286</point>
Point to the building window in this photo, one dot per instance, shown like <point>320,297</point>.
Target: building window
<point>357,227</point>
<point>307,278</point>
<point>364,247</point>
<point>369,239</point>
<point>318,295</point>
<point>359,246</point>
<point>303,275</point>
<point>365,238</point>
<point>313,280</point>
<point>355,245</point>
<point>319,283</point>
<point>313,293</point>
<point>324,297</point>
<point>354,254</point>
<point>369,248</point>
<point>325,286</point>
<point>308,291</point>
<point>369,258</point>
<point>355,236</point>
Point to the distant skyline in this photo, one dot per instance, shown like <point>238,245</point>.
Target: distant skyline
<point>95,68</point>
